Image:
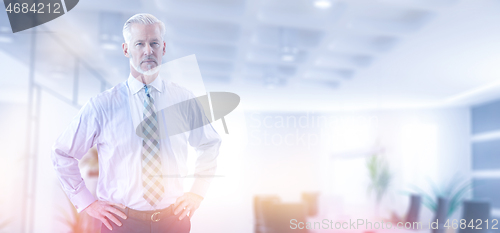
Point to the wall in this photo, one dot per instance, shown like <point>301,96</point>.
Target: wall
<point>485,141</point>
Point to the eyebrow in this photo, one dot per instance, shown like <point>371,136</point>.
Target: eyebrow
<point>154,40</point>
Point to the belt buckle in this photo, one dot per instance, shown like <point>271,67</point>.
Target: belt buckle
<point>155,217</point>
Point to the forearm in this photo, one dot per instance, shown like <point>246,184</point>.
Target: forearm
<point>69,175</point>
<point>206,164</point>
<point>202,180</point>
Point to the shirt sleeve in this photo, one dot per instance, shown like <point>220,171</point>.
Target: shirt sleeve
<point>206,142</point>
<point>71,146</point>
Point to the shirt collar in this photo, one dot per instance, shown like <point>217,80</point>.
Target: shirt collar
<point>135,85</point>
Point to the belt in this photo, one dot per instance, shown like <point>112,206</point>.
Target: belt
<point>153,215</point>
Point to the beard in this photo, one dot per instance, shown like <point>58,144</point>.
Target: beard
<point>151,70</point>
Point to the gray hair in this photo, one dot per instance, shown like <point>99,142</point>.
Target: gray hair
<point>142,18</point>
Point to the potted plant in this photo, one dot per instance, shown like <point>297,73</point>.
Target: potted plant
<point>454,191</point>
<point>380,178</point>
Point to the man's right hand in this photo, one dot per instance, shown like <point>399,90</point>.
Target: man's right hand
<point>102,210</point>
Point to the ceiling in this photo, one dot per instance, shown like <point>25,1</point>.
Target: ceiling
<point>292,55</point>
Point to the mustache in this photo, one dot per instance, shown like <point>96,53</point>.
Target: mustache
<point>149,58</point>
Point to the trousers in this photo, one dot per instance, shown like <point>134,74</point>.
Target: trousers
<point>167,224</point>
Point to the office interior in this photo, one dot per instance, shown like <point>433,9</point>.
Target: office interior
<point>381,110</point>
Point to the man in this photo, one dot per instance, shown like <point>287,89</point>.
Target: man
<point>139,187</point>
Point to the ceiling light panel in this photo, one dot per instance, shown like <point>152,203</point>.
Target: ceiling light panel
<point>216,78</point>
<point>349,42</point>
<point>203,51</point>
<point>263,69</point>
<point>111,5</point>
<point>329,74</point>
<point>341,60</point>
<point>215,66</point>
<point>422,3</point>
<point>299,14</point>
<point>275,55</point>
<point>203,9</point>
<point>391,19</point>
<point>207,30</point>
<point>301,38</point>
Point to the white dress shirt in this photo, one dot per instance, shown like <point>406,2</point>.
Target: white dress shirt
<point>109,121</point>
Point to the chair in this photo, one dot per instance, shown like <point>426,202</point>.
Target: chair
<point>311,201</point>
<point>283,213</point>
<point>262,212</point>
<point>441,214</point>
<point>473,210</point>
<point>414,210</point>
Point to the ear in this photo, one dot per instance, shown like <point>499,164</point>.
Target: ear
<point>125,50</point>
<point>164,48</point>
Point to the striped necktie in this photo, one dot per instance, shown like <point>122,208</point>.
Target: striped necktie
<point>152,179</point>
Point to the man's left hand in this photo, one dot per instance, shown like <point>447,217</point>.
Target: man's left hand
<point>187,203</point>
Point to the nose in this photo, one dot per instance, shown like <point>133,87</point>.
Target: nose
<point>148,50</point>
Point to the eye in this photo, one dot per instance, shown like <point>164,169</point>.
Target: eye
<point>138,44</point>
